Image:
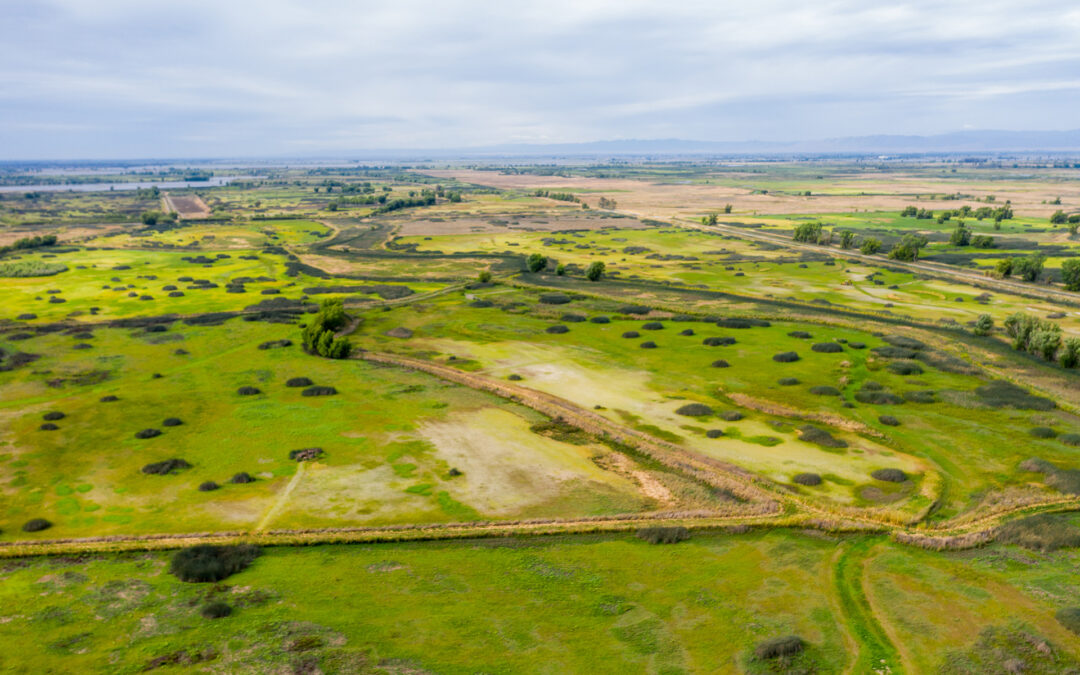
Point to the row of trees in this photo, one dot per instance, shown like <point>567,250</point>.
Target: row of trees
<point>561,196</point>
<point>714,217</point>
<point>1043,338</point>
<point>537,262</point>
<point>1059,217</point>
<point>28,243</point>
<point>319,335</point>
<point>998,214</point>
<point>1029,268</point>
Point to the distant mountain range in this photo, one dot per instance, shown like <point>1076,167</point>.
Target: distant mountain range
<point>956,142</point>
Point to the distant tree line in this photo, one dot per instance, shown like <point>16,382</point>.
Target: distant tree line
<point>29,243</point>
<point>561,196</point>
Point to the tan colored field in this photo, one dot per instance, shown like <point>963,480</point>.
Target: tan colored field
<point>190,207</point>
<point>554,222</point>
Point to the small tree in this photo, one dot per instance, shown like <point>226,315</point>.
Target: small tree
<point>595,271</point>
<point>870,246</point>
<point>560,269</point>
<point>710,219</point>
<point>847,239</point>
<point>1004,267</point>
<point>1030,268</point>
<point>961,236</point>
<point>484,276</point>
<point>1046,343</point>
<point>1059,217</point>
<point>984,325</point>
<point>807,232</point>
<point>1070,354</point>
<point>1070,274</point>
<point>536,262</point>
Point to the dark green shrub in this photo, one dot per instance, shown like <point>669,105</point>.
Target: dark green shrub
<point>857,345</point>
<point>731,322</point>
<point>688,332</point>
<point>808,479</point>
<point>871,385</point>
<point>877,397</point>
<point>714,433</point>
<point>215,610</point>
<point>648,344</point>
<point>108,399</point>
<point>633,309</point>
<point>298,382</point>
<point>481,304</point>
<point>1070,618</point>
<point>812,434</point>
<point>241,478</point>
<point>694,410</point>
<point>785,357</point>
<point>920,396</point>
<point>888,352</point>
<point>166,467</point>
<point>652,325</point>
<point>824,390</point>
<point>904,342</point>
<point>631,334</point>
<point>554,298</point>
<point>774,648</point>
<point>889,420</point>
<point>788,381</point>
<point>572,318</point>
<point>207,563</point>
<point>248,391</point>
<point>600,319</point>
<point>1042,432</point>
<point>209,486</point>
<point>720,363</point>
<point>171,422</point>
<point>275,343</point>
<point>731,415</point>
<point>1001,394</point>
<point>1070,439</point>
<point>306,454</point>
<point>36,525</point>
<point>48,426</point>
<point>53,416</point>
<point>905,368</point>
<point>718,341</point>
<point>663,535</point>
<point>801,334</point>
<point>827,348</point>
<point>319,391</point>
<point>148,433</point>
<point>1044,532</point>
<point>889,475</point>
<point>557,329</point>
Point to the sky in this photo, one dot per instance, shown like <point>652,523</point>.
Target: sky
<point>272,78</point>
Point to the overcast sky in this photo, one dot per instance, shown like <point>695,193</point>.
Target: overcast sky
<point>203,78</point>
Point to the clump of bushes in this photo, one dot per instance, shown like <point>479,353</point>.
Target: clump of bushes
<point>827,348</point>
<point>557,329</point>
<point>631,334</point>
<point>206,563</point>
<point>318,337</point>
<point>633,309</point>
<point>663,535</point>
<point>215,610</point>
<point>275,343</point>
<point>730,322</point>
<point>1044,532</point>
<point>319,391</point>
<point>1042,432</point>
<point>648,344</point>
<point>808,479</point>
<point>812,434</point>
<point>109,399</point>
<point>1070,439</point>
<point>714,433</point>
<point>573,318</point>
<point>788,381</point>
<point>921,396</point>
<point>166,467</point>
<point>877,397</point>
<point>148,433</point>
<point>600,319</point>
<point>801,334</point>
<point>889,475</point>
<point>652,325</point>
<point>481,304</point>
<point>785,357</point>
<point>718,341</point>
<point>209,486</point>
<point>298,382</point>
<point>48,426</point>
<point>1070,618</point>
<point>905,368</point>
<point>889,420</point>
<point>171,422</point>
<point>1001,394</point>
<point>824,390</point>
<point>248,391</point>
<point>694,410</point>
<point>731,415</point>
<point>242,477</point>
<point>306,454</point>
<point>720,363</point>
<point>774,648</point>
<point>688,332</point>
<point>554,298</point>
<point>36,525</point>
<point>514,377</point>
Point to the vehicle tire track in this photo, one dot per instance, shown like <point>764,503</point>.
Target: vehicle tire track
<point>279,503</point>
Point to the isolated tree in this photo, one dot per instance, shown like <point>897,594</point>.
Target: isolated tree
<point>1046,343</point>
<point>1030,268</point>
<point>1070,274</point>
<point>984,325</point>
<point>560,269</point>
<point>870,246</point>
<point>727,208</point>
<point>536,262</point>
<point>710,219</point>
<point>807,232</point>
<point>595,271</point>
<point>1070,353</point>
<point>908,248</point>
<point>961,236</point>
<point>1058,218</point>
<point>150,217</point>
<point>484,276</point>
<point>847,239</point>
<point>1004,267</point>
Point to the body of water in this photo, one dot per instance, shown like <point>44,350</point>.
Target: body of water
<point>215,181</point>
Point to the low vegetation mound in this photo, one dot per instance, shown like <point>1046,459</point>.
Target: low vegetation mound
<point>788,381</point>
<point>663,535</point>
<point>171,422</point>
<point>573,318</point>
<point>400,332</point>
<point>731,415</point>
<point>1002,394</point>
<point>824,390</point>
<point>720,363</point>
<point>557,329</point>
<point>774,648</point>
<point>53,416</point>
<point>272,344</point>
<point>1070,618</point>
<point>718,341</point>
<point>241,478</point>
<point>889,420</point>
<point>36,525</point>
<point>808,479</point>
<point>648,344</point>
<point>904,368</point>
<point>248,391</point>
<point>634,309</point>
<point>714,433</point>
<point>206,563</point>
<point>694,410</point>
<point>652,325</point>
<point>1044,532</point>
<point>319,391</point>
<point>785,357</point>
<point>298,382</point>
<point>812,434</point>
<point>921,396</point>
<point>215,610</point>
<point>209,486</point>
<point>1042,432</point>
<point>631,334</point>
<point>166,467</point>
<point>801,334</point>
<point>827,348</point>
<point>148,433</point>
<point>600,319</point>
<point>554,298</point>
<point>306,454</point>
<point>889,475</point>
<point>732,322</point>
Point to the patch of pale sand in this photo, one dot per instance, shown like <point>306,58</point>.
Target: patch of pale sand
<point>353,494</point>
<point>506,467</point>
<point>246,510</point>
<point>650,486</point>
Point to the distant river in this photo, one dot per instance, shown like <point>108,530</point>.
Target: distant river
<point>215,181</point>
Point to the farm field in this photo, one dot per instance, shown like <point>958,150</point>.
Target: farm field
<point>417,437</point>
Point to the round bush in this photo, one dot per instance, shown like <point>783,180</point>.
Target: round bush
<point>785,357</point>
<point>557,329</point>
<point>788,381</point>
<point>554,298</point>
<point>630,334</point>
<point>720,363</point>
<point>36,525</point>
<point>215,610</point>
<point>572,318</point>
<point>242,477</point>
<point>718,341</point>
<point>172,422</point>
<point>687,332</point>
<point>824,390</point>
<point>801,334</point>
<point>648,344</point>
<point>299,382</point>
<point>319,391</point>
<point>209,486</point>
<point>166,467</point>
<point>731,415</point>
<point>168,287</point>
<point>904,368</point>
<point>207,563</point>
<point>109,399</point>
<point>83,345</point>
<point>248,391</point>
<point>634,309</point>
<point>857,345</point>
<point>652,325</point>
<point>176,294</point>
<point>774,648</point>
<point>1042,432</point>
<point>889,420</point>
<point>148,433</point>
<point>808,479</point>
<point>48,426</point>
<point>1070,439</point>
<point>827,348</point>
<point>714,433</point>
<point>600,319</point>
<point>514,377</point>
<point>156,328</point>
<point>694,410</point>
<point>871,385</point>
<point>889,475</point>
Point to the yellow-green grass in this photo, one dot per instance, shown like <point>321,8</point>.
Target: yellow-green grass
<point>973,447</point>
<point>221,236</point>
<point>391,438</point>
